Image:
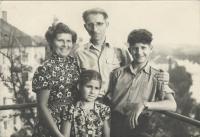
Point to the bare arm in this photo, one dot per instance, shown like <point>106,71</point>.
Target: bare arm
<point>168,104</point>
<point>66,128</point>
<point>42,97</point>
<point>106,128</point>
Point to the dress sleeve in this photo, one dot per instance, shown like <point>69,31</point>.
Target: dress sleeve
<point>105,113</point>
<point>67,112</point>
<point>41,79</point>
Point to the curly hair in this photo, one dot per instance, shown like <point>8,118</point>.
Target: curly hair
<point>53,30</point>
<point>94,11</point>
<point>139,36</point>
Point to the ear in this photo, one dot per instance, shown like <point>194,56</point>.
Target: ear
<point>107,23</point>
<point>151,47</point>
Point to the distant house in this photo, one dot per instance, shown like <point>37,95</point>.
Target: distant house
<point>14,42</point>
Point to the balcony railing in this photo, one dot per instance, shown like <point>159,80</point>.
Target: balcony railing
<point>169,114</point>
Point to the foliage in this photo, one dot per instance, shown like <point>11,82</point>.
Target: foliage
<point>180,82</point>
<point>16,82</point>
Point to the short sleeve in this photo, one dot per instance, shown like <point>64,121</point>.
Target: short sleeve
<point>163,89</point>
<point>41,79</point>
<point>105,113</point>
<point>168,90</point>
<point>67,112</point>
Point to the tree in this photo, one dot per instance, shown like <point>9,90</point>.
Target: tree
<point>180,82</point>
<point>16,81</point>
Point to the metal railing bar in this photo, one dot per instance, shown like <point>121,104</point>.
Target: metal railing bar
<point>167,113</point>
<point>18,106</point>
<point>181,118</point>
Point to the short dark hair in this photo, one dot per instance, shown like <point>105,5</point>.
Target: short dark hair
<point>94,11</point>
<point>139,36</point>
<point>60,27</point>
<point>88,75</point>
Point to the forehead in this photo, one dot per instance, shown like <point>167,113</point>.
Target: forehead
<point>93,82</point>
<point>137,45</point>
<point>95,17</point>
<point>64,35</point>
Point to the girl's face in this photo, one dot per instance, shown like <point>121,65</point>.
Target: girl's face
<point>90,90</point>
<point>62,44</point>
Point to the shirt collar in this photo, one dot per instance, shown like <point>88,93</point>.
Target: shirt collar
<point>92,46</point>
<point>146,68</point>
<point>56,56</point>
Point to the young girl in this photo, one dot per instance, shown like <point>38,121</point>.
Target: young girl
<point>88,118</point>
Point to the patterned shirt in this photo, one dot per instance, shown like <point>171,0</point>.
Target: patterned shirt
<point>58,75</point>
<point>87,124</point>
<point>104,61</point>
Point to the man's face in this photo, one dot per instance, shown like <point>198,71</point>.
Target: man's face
<point>140,52</point>
<point>96,26</point>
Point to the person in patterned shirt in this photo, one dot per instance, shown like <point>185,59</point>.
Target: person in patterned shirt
<point>54,82</point>
<point>88,118</point>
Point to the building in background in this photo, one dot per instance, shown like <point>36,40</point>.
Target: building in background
<point>31,52</point>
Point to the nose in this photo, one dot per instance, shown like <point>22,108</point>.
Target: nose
<point>138,51</point>
<point>94,28</point>
<point>92,91</point>
<point>65,44</point>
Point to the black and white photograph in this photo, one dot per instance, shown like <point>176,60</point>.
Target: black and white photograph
<point>100,68</point>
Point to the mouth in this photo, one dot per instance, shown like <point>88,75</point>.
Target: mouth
<point>91,97</point>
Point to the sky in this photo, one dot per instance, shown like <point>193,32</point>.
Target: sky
<point>173,23</point>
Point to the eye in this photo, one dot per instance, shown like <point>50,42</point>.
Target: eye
<point>69,40</point>
<point>100,23</point>
<point>88,86</point>
<point>97,88</point>
<point>143,47</point>
<point>89,25</point>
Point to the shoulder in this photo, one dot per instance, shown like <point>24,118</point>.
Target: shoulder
<point>43,67</point>
<point>119,71</point>
<point>102,107</point>
<point>155,70</point>
<point>82,48</point>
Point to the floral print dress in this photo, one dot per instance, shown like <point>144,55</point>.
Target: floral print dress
<point>90,124</point>
<point>60,76</point>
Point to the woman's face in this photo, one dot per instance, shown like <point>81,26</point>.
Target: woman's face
<point>90,90</point>
<point>62,44</point>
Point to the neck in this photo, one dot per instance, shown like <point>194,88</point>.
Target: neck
<point>138,66</point>
<point>86,104</point>
<point>98,42</point>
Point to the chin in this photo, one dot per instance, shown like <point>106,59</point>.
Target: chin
<point>90,100</point>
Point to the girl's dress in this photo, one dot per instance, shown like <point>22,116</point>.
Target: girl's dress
<point>60,76</point>
<point>90,124</point>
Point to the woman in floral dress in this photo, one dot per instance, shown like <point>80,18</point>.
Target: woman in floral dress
<point>54,82</point>
<point>88,118</point>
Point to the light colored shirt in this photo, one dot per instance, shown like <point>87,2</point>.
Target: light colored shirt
<point>127,86</point>
<point>103,61</point>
